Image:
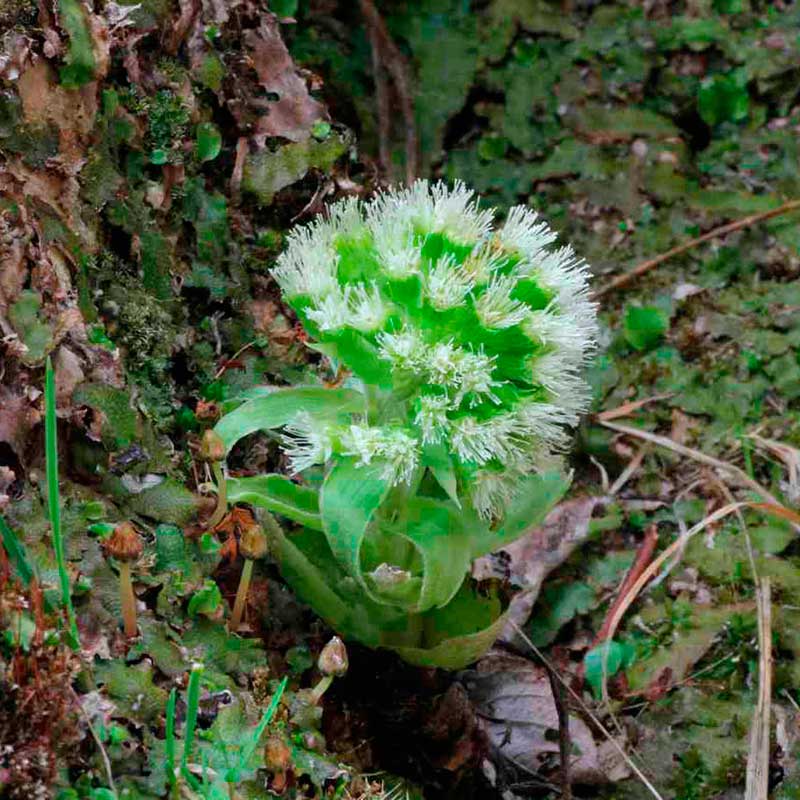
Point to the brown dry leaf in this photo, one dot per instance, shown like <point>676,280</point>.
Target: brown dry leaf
<point>529,560</point>
<point>295,111</point>
<point>17,418</point>
<point>516,710</point>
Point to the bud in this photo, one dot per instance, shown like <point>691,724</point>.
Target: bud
<point>332,660</point>
<point>124,544</point>
<point>212,448</point>
<point>253,542</point>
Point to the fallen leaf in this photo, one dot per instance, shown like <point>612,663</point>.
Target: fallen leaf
<point>529,560</point>
<point>295,111</point>
<point>517,712</point>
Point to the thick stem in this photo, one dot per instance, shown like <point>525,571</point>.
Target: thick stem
<point>128,600</point>
<point>316,693</point>
<point>222,495</point>
<point>241,595</point>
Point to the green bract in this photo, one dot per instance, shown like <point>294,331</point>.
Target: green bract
<point>464,344</point>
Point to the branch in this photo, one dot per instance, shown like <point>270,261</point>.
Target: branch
<point>640,269</point>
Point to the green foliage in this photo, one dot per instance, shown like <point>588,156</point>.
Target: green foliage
<point>33,333</point>
<point>724,98</point>
<point>645,326</point>
<point>209,141</point>
<point>54,502</point>
<point>80,62</point>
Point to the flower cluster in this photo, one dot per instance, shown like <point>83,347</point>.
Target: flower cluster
<point>479,334</point>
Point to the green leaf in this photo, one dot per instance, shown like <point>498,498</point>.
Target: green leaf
<point>205,600</point>
<point>439,461</point>
<point>15,550</point>
<point>537,495</point>
<point>283,8</point>
<point>350,496</point>
<point>558,605</point>
<point>445,547</point>
<point>724,98</point>
<point>280,407</point>
<point>610,657</point>
<point>278,494</point>
<point>209,141</point>
<point>33,333</point>
<point>644,326</point>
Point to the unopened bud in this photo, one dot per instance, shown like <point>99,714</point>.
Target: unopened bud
<point>333,659</point>
<point>212,448</point>
<point>253,542</point>
<point>124,544</point>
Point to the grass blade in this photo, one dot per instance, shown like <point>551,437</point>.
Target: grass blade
<point>192,704</point>
<point>170,735</point>
<point>250,747</point>
<point>54,498</point>
<point>16,553</point>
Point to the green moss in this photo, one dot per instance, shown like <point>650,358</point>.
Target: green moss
<point>211,72</point>
<point>32,332</point>
<point>36,144</point>
<point>266,173</point>
<point>170,501</point>
<point>99,180</point>
<point>79,62</point>
<point>121,425</point>
<point>145,327</point>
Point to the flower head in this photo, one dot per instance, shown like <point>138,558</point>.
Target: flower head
<point>479,333</point>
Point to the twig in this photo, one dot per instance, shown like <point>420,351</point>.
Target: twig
<point>695,455</point>
<point>589,713</point>
<point>628,472</point>
<point>643,557</point>
<point>564,743</point>
<point>98,741</point>
<point>626,409</point>
<point>757,780</point>
<point>645,266</point>
<point>395,64</point>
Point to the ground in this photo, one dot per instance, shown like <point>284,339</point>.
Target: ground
<point>152,159</point>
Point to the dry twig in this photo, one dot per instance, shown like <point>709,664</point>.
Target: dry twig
<point>757,780</point>
<point>645,266</point>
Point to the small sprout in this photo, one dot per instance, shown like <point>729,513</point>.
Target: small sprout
<point>332,663</point>
<point>252,545</point>
<point>125,546</point>
<point>212,451</point>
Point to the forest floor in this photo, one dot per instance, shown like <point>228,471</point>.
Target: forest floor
<point>152,158</point>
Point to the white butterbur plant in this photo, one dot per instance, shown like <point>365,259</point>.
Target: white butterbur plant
<point>463,344</point>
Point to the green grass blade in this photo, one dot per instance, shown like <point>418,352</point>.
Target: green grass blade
<point>192,704</point>
<point>16,553</point>
<point>250,747</point>
<point>170,734</point>
<point>54,499</point>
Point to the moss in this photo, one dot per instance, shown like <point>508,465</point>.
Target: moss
<point>211,72</point>
<point>265,174</point>
<point>121,425</point>
<point>35,143</point>
<point>80,62</point>
<point>144,327</point>
<point>99,180</point>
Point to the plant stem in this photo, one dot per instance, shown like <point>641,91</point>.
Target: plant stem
<point>241,595</point>
<point>222,495</point>
<point>128,599</point>
<point>316,693</point>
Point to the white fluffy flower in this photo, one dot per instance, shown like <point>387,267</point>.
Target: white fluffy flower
<point>306,443</point>
<point>395,447</point>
